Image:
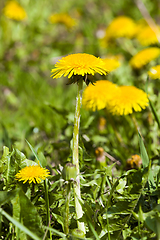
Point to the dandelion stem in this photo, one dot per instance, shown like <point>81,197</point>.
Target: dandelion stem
<point>47,205</point>
<point>66,214</point>
<point>75,159</point>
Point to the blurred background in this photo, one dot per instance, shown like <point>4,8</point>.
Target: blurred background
<point>33,36</point>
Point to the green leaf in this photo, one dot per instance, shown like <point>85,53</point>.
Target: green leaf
<point>4,162</point>
<point>33,151</point>
<point>6,196</point>
<point>144,155</point>
<point>30,216</point>
<point>42,158</point>
<point>145,162</point>
<point>19,225</point>
<point>154,113</point>
<point>56,232</point>
<point>17,216</point>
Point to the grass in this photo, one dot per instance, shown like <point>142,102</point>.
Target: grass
<point>37,119</point>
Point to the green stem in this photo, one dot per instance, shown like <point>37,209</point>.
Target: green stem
<point>66,214</point>
<point>75,160</point>
<point>47,205</point>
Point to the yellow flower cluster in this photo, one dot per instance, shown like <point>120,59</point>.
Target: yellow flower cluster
<point>118,100</point>
<point>63,18</point>
<point>14,11</point>
<point>123,26</point>
<point>95,96</point>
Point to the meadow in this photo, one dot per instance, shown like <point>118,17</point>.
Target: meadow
<point>79,120</point>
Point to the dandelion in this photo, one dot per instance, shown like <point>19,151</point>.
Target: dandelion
<point>127,99</point>
<point>121,26</point>
<point>63,18</point>
<point>14,11</point>
<point>97,96</point>
<point>111,63</point>
<point>144,56</point>
<point>79,64</point>
<point>33,174</point>
<point>154,72</point>
<point>148,35</point>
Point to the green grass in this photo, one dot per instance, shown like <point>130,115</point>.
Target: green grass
<point>36,123</point>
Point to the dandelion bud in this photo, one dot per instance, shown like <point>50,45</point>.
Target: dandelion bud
<point>100,157</point>
<point>134,162</point>
<point>77,233</point>
<point>69,172</point>
<point>102,124</point>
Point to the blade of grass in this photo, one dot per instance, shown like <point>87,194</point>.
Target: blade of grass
<point>154,113</point>
<point>57,232</point>
<point>19,225</point>
<point>146,162</point>
<point>33,151</point>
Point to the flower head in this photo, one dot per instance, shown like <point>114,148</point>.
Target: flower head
<point>127,99</point>
<point>144,56</point>
<point>154,72</point>
<point>148,35</point>
<point>14,11</point>
<point>79,64</point>
<point>33,174</point>
<point>62,18</point>
<point>121,26</point>
<point>111,63</point>
<point>96,97</point>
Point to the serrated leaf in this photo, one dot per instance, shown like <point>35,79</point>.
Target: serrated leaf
<point>30,216</point>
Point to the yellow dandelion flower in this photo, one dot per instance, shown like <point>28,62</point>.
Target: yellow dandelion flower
<point>79,64</point>
<point>154,72</point>
<point>111,63</point>
<point>127,99</point>
<point>140,25</point>
<point>33,174</point>
<point>121,26</point>
<point>63,18</point>
<point>144,56</point>
<point>148,35</point>
<point>95,97</point>
<point>14,11</point>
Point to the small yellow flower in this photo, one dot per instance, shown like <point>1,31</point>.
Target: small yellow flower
<point>148,35</point>
<point>111,63</point>
<point>127,99</point>
<point>144,56</point>
<point>79,64</point>
<point>33,174</point>
<point>63,18</point>
<point>97,96</point>
<point>121,26</point>
<point>14,11</point>
<point>154,72</point>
